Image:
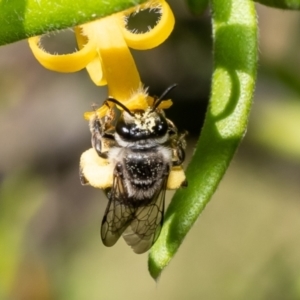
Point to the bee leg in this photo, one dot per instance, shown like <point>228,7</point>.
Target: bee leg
<point>101,143</point>
<point>97,145</point>
<point>82,178</point>
<point>180,155</point>
<point>179,149</point>
<point>184,184</point>
<point>172,128</point>
<point>100,139</point>
<point>118,171</point>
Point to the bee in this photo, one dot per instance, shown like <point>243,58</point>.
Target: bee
<point>143,147</point>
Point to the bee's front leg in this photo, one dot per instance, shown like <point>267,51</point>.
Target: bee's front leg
<point>101,140</point>
<point>179,145</point>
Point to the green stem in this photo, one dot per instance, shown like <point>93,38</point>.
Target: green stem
<point>20,19</point>
<point>285,4</point>
<point>235,64</point>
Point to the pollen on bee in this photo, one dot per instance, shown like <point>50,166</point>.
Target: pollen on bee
<point>97,171</point>
<point>176,178</point>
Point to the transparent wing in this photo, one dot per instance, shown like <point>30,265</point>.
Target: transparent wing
<point>146,224</point>
<point>117,215</point>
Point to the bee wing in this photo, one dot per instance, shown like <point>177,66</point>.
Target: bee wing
<point>146,225</point>
<point>117,215</point>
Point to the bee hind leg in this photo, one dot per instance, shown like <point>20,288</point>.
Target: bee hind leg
<point>82,178</point>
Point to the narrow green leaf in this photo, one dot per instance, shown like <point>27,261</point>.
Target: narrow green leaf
<point>197,7</point>
<point>285,4</point>
<point>20,19</point>
<point>235,64</point>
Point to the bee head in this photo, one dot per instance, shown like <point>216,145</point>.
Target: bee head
<point>142,124</point>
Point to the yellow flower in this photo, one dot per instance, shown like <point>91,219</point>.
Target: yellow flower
<point>103,49</point>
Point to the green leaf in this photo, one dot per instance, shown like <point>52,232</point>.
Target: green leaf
<point>285,4</point>
<point>235,64</point>
<point>20,19</point>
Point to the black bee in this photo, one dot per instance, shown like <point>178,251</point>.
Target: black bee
<point>143,146</point>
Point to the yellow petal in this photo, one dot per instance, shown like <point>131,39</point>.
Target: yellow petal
<point>62,63</point>
<point>163,105</point>
<point>95,71</point>
<point>94,68</point>
<point>155,36</point>
<point>100,112</point>
<point>117,62</point>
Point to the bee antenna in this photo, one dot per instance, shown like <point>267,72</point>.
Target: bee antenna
<point>113,100</point>
<point>161,98</point>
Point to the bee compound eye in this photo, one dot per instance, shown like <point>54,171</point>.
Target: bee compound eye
<point>161,127</point>
<point>123,129</point>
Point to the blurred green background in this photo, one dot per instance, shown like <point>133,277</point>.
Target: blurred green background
<point>246,244</point>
